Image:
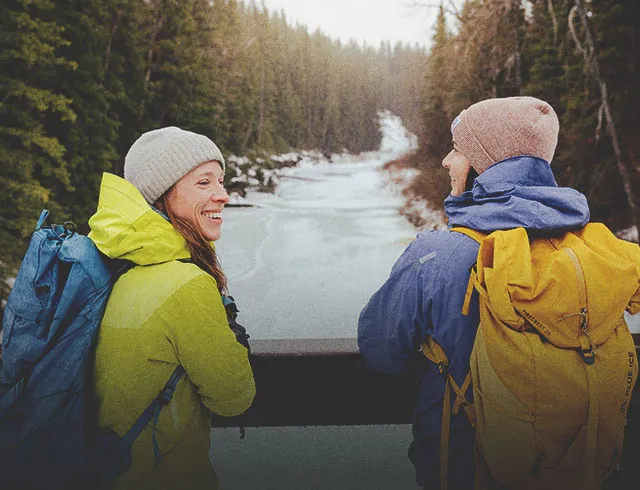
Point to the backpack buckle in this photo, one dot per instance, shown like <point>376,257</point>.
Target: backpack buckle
<point>165,396</point>
<point>589,355</point>
<point>443,369</point>
<point>586,349</point>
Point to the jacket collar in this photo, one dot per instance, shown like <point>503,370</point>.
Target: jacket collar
<point>518,192</point>
<point>125,226</point>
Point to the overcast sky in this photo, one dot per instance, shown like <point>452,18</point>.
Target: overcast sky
<point>369,21</point>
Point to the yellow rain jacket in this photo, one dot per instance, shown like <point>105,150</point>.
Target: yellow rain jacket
<point>162,313</point>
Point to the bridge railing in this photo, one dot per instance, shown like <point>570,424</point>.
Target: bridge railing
<point>325,382</point>
<point>322,382</point>
<point>321,414</point>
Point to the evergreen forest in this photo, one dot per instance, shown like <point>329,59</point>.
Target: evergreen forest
<point>581,56</point>
<point>81,80</point>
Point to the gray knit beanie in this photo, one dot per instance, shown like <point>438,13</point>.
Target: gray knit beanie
<point>496,129</point>
<point>160,158</point>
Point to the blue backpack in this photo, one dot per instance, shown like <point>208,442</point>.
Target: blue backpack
<point>49,436</point>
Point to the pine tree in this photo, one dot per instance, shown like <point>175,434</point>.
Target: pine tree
<point>32,164</point>
<point>616,28</point>
<point>91,138</point>
<point>435,138</point>
<point>603,173</point>
<point>542,54</point>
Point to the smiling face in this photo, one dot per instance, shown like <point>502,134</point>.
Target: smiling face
<point>458,166</point>
<point>199,198</point>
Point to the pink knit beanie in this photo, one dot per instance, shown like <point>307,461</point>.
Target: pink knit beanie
<point>496,129</point>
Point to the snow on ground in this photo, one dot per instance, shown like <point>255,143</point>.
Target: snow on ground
<point>629,234</point>
<point>397,142</point>
<point>633,321</point>
<point>253,182</point>
<point>296,257</point>
<point>259,185</point>
<point>396,139</point>
<point>416,210</point>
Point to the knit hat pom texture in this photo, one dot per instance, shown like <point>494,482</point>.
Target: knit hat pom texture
<point>160,158</point>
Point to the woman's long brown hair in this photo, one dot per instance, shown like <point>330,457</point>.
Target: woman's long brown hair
<point>202,253</point>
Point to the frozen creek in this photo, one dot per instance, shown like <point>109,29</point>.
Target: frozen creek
<point>302,263</point>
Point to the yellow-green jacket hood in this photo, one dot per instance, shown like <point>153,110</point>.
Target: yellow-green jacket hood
<point>126,227</point>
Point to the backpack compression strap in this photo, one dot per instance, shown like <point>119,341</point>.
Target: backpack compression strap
<point>434,352</point>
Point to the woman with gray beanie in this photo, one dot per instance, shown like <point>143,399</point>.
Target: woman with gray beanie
<point>167,310</point>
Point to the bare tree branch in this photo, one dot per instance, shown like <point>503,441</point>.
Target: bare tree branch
<point>554,20</point>
<point>572,28</point>
<point>155,31</point>
<point>599,126</point>
<point>452,10</point>
<point>107,54</point>
<point>594,68</point>
<point>596,179</point>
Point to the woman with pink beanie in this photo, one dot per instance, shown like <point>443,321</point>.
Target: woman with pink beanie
<point>501,179</point>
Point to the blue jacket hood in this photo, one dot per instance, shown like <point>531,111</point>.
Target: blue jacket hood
<point>519,191</point>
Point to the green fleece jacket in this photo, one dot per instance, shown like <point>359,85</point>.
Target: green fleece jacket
<point>162,313</point>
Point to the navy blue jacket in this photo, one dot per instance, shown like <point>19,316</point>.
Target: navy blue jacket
<point>424,293</point>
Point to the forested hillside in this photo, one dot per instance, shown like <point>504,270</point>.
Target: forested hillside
<point>582,56</point>
<point>80,81</point>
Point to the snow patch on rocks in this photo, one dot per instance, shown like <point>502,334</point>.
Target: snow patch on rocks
<point>396,139</point>
<point>629,234</point>
<point>416,210</point>
<point>250,180</point>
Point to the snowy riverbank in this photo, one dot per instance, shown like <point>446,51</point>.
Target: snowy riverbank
<point>303,260</point>
<point>253,182</point>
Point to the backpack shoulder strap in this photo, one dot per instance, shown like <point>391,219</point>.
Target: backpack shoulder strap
<point>118,459</point>
<point>476,235</point>
<point>151,413</point>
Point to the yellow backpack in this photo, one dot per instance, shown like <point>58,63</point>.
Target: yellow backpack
<point>553,363</point>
